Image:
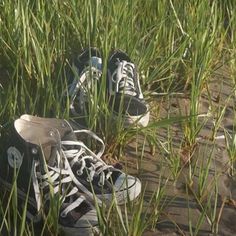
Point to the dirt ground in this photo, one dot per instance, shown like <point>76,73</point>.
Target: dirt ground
<point>182,210</point>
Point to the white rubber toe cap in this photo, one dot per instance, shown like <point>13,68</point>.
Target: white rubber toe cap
<point>85,225</point>
<point>127,187</point>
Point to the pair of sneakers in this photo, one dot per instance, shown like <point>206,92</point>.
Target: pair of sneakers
<point>124,94</point>
<point>50,164</point>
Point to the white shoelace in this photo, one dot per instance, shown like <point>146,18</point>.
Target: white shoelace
<point>82,153</point>
<point>53,179</point>
<point>123,77</point>
<point>79,88</point>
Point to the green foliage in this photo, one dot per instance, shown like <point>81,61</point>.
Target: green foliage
<point>175,44</point>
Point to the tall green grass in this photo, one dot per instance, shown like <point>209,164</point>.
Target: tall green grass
<point>176,46</point>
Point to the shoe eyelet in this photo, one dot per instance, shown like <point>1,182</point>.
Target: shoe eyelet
<point>34,151</point>
<point>78,172</point>
<point>63,215</point>
<point>88,179</point>
<point>51,133</point>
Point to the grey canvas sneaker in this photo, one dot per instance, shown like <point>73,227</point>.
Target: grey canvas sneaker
<point>91,171</point>
<point>34,152</point>
<point>87,72</point>
<point>124,91</point>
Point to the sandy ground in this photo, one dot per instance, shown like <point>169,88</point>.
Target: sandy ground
<point>182,210</point>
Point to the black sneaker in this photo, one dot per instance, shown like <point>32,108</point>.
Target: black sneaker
<point>34,152</point>
<point>90,170</point>
<point>124,91</point>
<point>87,74</point>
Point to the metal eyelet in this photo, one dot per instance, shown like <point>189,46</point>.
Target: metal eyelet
<point>51,133</point>
<point>63,215</point>
<point>88,179</point>
<point>34,151</point>
<point>78,172</point>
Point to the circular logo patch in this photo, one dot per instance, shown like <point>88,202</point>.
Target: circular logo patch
<point>14,157</point>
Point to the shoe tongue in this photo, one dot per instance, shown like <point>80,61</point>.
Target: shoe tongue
<point>96,62</point>
<point>50,154</point>
<point>69,135</point>
<point>38,137</point>
<point>65,130</point>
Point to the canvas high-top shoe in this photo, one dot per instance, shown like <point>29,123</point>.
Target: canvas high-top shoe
<point>87,72</point>
<point>124,91</point>
<point>34,152</point>
<point>88,167</point>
